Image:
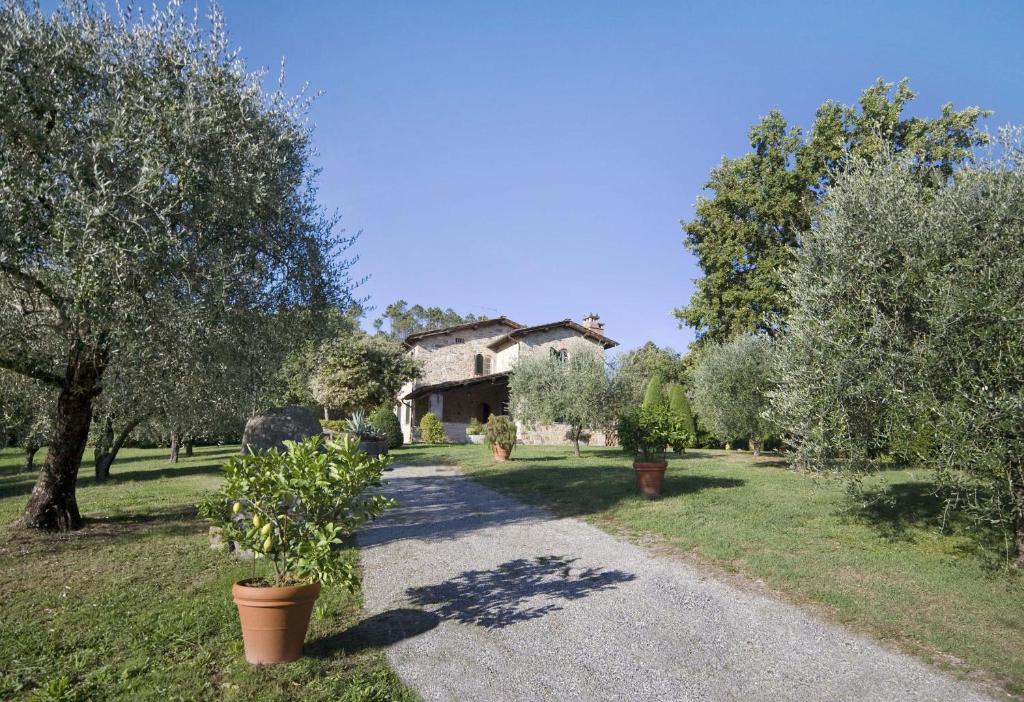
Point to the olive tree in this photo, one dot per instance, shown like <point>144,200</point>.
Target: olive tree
<point>26,413</point>
<point>546,389</point>
<point>149,189</point>
<point>360,372</point>
<point>729,389</point>
<point>909,347</point>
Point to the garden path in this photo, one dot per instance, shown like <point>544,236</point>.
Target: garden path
<point>477,596</point>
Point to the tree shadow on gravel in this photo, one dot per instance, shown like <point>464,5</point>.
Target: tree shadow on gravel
<point>378,631</point>
<point>516,591</point>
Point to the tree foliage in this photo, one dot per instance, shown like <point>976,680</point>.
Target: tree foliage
<point>545,389</point>
<point>911,347</point>
<point>731,382</point>
<point>150,191</point>
<point>634,370</point>
<point>399,320</point>
<point>747,232</point>
<point>27,407</point>
<point>357,371</point>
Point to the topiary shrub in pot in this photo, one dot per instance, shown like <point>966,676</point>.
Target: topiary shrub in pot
<point>432,429</point>
<point>371,439</point>
<point>386,422</point>
<point>501,435</point>
<point>475,431</point>
<point>647,432</point>
<point>292,510</point>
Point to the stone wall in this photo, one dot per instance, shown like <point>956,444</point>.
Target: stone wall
<point>554,435</point>
<point>445,359</point>
<point>542,342</point>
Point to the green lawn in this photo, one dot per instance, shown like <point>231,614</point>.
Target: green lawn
<point>886,570</point>
<point>136,606</point>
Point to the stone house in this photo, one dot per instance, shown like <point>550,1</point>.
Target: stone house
<point>466,370</point>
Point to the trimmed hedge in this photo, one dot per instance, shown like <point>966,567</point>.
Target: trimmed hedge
<point>386,422</point>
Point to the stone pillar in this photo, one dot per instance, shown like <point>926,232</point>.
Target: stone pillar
<point>437,405</point>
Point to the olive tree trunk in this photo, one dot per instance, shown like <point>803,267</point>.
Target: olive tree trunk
<point>576,432</point>
<point>175,444</point>
<point>1020,541</point>
<point>105,440</point>
<point>1017,481</point>
<point>188,447</point>
<point>107,458</point>
<point>52,504</point>
<point>30,457</point>
<point>755,446</point>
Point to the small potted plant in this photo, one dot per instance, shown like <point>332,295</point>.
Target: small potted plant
<point>291,511</point>
<point>475,431</point>
<point>371,440</point>
<point>647,433</point>
<point>501,435</point>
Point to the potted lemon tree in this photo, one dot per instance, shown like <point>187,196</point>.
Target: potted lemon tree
<point>647,433</point>
<point>501,435</point>
<point>291,510</point>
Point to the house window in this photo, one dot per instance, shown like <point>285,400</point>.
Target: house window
<point>459,340</point>
<point>561,355</point>
<point>482,364</point>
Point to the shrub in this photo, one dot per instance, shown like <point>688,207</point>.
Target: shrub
<point>431,429</point>
<point>475,428</point>
<point>501,431</point>
<point>649,431</point>
<point>293,509</point>
<point>680,407</point>
<point>654,396</point>
<point>334,424</point>
<point>387,424</point>
<point>359,426</point>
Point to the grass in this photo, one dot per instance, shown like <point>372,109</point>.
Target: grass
<point>136,605</point>
<point>889,570</point>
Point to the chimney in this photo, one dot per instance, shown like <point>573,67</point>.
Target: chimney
<point>593,322</point>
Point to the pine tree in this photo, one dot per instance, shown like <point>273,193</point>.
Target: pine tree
<point>655,395</point>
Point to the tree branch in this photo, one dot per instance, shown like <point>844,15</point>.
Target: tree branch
<point>33,368</point>
<point>35,284</point>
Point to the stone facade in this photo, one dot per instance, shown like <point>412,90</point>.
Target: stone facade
<point>451,356</point>
<point>466,371</point>
<point>558,339</point>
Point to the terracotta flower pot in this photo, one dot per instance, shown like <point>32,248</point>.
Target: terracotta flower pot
<point>274,620</point>
<point>500,453</point>
<point>650,476</point>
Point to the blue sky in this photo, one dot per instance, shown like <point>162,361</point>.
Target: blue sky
<point>534,159</point>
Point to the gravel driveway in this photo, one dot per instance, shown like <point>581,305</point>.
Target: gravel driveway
<point>479,597</point>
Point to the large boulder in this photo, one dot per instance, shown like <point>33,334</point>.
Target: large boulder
<point>277,425</point>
